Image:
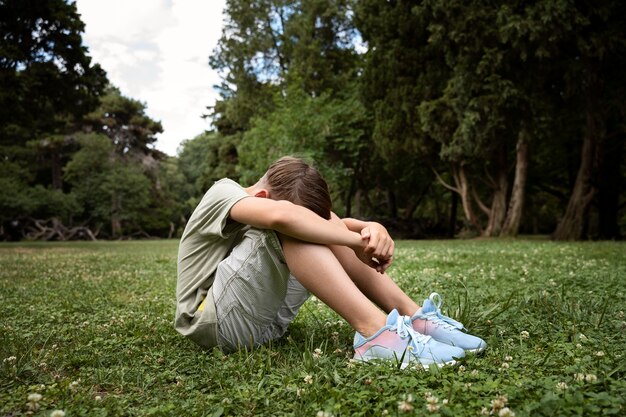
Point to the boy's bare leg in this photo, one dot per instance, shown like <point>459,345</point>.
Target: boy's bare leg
<point>319,271</point>
<point>379,288</point>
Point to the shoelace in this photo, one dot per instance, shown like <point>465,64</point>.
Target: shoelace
<point>404,328</point>
<point>438,318</point>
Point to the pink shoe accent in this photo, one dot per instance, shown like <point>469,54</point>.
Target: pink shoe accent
<point>387,338</point>
<point>424,326</point>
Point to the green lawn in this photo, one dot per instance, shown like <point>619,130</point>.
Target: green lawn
<point>88,326</point>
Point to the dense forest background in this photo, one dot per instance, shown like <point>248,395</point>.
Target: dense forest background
<point>442,118</point>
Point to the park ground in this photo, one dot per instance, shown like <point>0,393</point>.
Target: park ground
<point>87,329</point>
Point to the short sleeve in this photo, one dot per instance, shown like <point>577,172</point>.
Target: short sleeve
<point>211,215</point>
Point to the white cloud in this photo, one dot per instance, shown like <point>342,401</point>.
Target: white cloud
<point>158,52</point>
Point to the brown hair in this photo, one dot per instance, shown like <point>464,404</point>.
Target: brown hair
<point>294,180</point>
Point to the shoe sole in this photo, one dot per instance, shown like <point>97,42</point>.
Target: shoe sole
<point>476,351</point>
<point>404,365</point>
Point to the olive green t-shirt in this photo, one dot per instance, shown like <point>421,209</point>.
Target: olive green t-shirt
<point>207,240</point>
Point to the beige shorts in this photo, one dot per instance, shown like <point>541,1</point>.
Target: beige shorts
<point>255,295</point>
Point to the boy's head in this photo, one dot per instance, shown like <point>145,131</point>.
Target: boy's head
<point>294,180</point>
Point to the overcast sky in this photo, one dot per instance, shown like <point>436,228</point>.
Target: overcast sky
<point>157,51</point>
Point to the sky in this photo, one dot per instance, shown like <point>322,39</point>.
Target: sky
<point>157,52</point>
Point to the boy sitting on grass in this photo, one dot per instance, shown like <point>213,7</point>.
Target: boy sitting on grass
<point>249,257</point>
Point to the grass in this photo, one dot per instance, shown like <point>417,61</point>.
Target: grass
<point>88,326</point>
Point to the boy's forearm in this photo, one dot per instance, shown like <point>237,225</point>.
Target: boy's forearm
<point>354,225</point>
<point>305,225</point>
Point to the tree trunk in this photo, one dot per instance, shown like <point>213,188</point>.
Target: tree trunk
<point>462,188</point>
<point>497,212</point>
<point>357,203</point>
<point>572,224</point>
<point>516,204</point>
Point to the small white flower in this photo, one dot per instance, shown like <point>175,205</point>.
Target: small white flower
<point>591,378</point>
<point>34,397</point>
<point>499,403</point>
<point>323,414</point>
<point>10,360</point>
<point>579,346</point>
<point>57,413</point>
<point>506,412</point>
<point>299,392</point>
<point>308,379</point>
<point>461,369</point>
<point>317,353</point>
<point>474,372</point>
<point>444,401</point>
<point>508,358</point>
<point>561,386</point>
<point>524,334</point>
<point>600,353</point>
<point>583,338</point>
<point>98,398</point>
<point>385,412</point>
<point>432,407</point>
<point>579,377</point>
<point>505,365</point>
<point>404,406</point>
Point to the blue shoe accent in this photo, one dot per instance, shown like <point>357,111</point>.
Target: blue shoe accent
<point>443,328</point>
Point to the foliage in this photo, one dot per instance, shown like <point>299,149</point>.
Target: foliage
<point>46,76</point>
<point>105,186</point>
<point>322,129</point>
<point>507,110</point>
<point>124,121</point>
<point>552,314</point>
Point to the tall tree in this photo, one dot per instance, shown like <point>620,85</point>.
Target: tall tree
<point>46,75</point>
<point>278,55</point>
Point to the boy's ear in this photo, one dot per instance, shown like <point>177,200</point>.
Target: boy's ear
<point>262,193</point>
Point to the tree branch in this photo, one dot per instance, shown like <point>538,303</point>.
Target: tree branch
<point>481,205</point>
<point>445,184</point>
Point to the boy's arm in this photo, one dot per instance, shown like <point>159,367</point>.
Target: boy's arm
<point>301,223</point>
<point>293,220</point>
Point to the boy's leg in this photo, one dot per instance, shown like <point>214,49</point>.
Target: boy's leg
<point>379,288</point>
<point>319,271</point>
<point>378,336</point>
<point>255,295</point>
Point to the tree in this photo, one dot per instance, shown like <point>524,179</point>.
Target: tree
<point>110,190</point>
<point>46,77</point>
<point>47,83</point>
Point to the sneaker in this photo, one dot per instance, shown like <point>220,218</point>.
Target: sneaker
<point>429,321</point>
<point>398,341</point>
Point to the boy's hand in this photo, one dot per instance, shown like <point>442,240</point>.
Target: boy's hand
<point>379,245</point>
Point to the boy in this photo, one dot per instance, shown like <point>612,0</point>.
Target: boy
<point>249,257</point>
